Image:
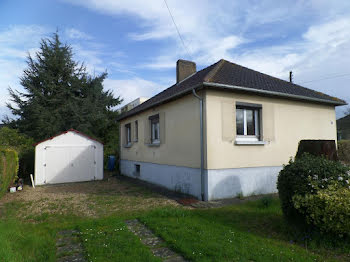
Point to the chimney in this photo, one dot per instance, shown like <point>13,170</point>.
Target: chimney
<point>291,76</point>
<point>184,69</point>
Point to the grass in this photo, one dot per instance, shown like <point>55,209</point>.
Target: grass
<point>109,240</point>
<point>26,242</point>
<point>253,231</point>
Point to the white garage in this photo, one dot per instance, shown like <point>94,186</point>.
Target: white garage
<point>68,157</point>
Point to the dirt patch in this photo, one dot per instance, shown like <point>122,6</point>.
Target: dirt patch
<point>91,199</point>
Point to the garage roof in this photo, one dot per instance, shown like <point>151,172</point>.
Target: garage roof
<point>70,130</point>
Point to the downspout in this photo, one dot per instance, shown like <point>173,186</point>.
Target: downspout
<point>201,139</point>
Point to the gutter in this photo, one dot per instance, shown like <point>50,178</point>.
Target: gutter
<point>201,139</point>
<point>253,90</point>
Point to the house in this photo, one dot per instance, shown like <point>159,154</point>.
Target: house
<point>222,131</point>
<point>68,157</point>
<point>343,127</point>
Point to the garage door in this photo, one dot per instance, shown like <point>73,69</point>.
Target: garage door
<point>69,164</point>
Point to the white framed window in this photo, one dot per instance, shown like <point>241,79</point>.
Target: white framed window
<point>155,132</point>
<point>128,134</point>
<point>248,122</point>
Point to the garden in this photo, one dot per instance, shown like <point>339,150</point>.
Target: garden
<point>309,221</point>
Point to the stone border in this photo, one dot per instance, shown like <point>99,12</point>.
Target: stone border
<point>69,247</point>
<point>156,244</point>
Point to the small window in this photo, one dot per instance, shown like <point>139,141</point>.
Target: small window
<point>137,170</point>
<point>136,131</point>
<point>155,136</point>
<point>128,134</point>
<point>248,122</point>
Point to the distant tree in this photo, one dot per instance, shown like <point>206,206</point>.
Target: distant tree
<point>59,95</point>
<point>347,111</point>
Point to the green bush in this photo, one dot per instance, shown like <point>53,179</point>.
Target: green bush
<point>23,145</point>
<point>8,168</point>
<point>328,210</point>
<point>344,151</point>
<point>306,175</point>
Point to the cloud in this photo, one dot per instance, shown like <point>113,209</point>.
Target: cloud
<point>130,89</point>
<point>76,34</point>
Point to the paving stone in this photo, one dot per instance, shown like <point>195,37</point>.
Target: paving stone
<point>163,252</point>
<point>74,248</point>
<point>72,258</point>
<point>175,259</point>
<point>69,248</point>
<point>154,241</point>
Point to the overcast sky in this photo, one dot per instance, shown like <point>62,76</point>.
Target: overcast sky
<point>137,43</point>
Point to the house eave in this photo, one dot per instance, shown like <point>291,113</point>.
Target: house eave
<point>272,93</point>
<point>165,100</point>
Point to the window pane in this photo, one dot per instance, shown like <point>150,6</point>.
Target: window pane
<point>250,122</point>
<point>240,121</point>
<point>155,129</point>
<point>156,133</point>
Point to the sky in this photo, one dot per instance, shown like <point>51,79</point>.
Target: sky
<point>137,44</point>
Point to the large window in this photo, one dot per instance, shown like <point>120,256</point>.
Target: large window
<point>248,122</point>
<point>155,139</point>
<point>128,134</point>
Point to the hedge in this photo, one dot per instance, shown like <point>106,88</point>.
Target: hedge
<point>8,168</point>
<point>344,151</point>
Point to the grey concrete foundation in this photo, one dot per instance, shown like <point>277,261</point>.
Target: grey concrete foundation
<point>181,179</point>
<point>219,183</point>
<point>226,183</point>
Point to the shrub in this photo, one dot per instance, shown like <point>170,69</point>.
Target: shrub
<point>328,210</point>
<point>306,175</point>
<point>8,168</point>
<point>23,145</point>
<point>344,151</point>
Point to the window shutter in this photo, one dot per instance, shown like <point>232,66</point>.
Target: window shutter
<point>147,131</point>
<point>268,122</point>
<point>132,133</point>
<point>162,127</point>
<point>228,116</point>
<point>122,135</point>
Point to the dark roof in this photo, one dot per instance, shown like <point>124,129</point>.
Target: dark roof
<point>226,75</point>
<point>70,130</point>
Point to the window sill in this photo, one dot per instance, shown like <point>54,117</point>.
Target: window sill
<point>128,145</point>
<point>258,143</point>
<point>154,144</point>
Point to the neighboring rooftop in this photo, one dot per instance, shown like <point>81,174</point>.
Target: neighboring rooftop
<point>227,75</point>
<point>132,104</point>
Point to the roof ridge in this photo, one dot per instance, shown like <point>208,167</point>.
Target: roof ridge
<point>213,72</point>
<point>279,79</point>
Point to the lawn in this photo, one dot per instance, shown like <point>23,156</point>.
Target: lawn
<point>253,231</point>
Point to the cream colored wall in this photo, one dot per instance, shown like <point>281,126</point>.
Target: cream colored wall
<point>285,123</point>
<point>181,145</point>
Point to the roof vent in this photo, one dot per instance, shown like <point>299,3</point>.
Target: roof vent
<point>184,69</point>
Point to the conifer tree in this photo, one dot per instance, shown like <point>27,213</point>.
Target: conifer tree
<point>60,94</point>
